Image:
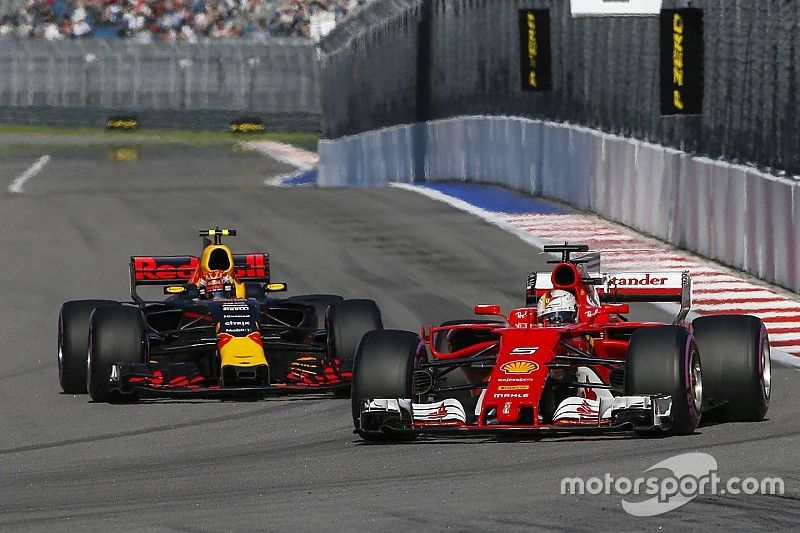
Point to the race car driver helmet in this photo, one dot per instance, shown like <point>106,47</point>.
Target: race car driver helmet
<point>558,307</point>
<point>216,285</point>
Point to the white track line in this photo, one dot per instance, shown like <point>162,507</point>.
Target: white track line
<point>16,186</point>
<point>779,354</point>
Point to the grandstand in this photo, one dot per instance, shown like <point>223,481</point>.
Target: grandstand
<point>171,20</point>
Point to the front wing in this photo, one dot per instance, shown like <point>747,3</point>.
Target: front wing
<point>306,375</point>
<point>443,418</point>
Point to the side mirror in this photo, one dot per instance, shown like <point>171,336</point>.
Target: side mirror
<point>493,310</point>
<point>616,309</point>
<point>275,287</point>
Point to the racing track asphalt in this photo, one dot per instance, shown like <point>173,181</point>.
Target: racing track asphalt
<point>292,464</point>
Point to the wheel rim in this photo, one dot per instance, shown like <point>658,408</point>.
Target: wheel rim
<point>696,382</point>
<point>766,368</point>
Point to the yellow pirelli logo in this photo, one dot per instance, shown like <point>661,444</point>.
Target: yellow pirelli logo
<point>513,387</point>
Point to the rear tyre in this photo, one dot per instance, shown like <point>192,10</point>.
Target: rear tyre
<point>73,343</point>
<point>665,360</point>
<point>346,322</point>
<point>117,334</point>
<point>737,367</point>
<point>384,368</point>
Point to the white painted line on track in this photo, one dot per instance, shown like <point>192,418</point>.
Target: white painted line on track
<point>15,187</point>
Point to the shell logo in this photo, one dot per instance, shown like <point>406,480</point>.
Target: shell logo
<point>519,367</point>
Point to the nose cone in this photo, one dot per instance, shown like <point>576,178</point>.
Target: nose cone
<point>241,351</point>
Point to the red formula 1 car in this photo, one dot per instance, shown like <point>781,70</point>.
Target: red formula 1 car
<point>568,362</point>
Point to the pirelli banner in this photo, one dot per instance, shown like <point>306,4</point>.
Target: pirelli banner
<point>534,37</point>
<point>681,61</point>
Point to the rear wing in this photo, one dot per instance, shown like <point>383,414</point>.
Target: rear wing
<point>180,269</point>
<point>624,287</point>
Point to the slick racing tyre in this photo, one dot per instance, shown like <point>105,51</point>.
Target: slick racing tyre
<point>320,303</point>
<point>736,364</point>
<point>73,340</point>
<point>346,322</point>
<point>665,360</point>
<point>117,334</point>
<point>384,368</point>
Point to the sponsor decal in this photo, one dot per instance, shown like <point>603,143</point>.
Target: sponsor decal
<point>638,281</point>
<point>534,33</point>
<point>149,269</point>
<point>516,395</point>
<point>519,367</point>
<point>513,387</point>
<point>255,267</point>
<point>235,307</point>
<point>122,122</point>
<point>615,8</point>
<point>682,61</point>
<point>247,125</point>
<point>515,380</point>
<point>174,290</point>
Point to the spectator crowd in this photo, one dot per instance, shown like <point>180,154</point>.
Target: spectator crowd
<point>173,20</point>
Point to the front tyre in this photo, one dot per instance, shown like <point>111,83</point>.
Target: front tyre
<point>346,322</point>
<point>116,335</point>
<point>736,364</point>
<point>665,360</point>
<point>384,369</point>
<point>73,343</point>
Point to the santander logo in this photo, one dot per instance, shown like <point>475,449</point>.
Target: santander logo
<point>647,280</point>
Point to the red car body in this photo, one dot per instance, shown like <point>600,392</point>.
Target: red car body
<point>516,375</point>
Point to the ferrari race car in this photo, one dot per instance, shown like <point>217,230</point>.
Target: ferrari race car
<point>219,332</point>
<point>568,362</point>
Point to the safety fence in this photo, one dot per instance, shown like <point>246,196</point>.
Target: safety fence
<point>731,213</point>
<point>180,84</point>
<point>434,90</point>
<point>405,61</point>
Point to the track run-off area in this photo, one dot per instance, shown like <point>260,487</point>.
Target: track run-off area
<point>293,464</point>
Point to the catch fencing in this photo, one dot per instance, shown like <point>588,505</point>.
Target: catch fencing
<point>416,90</point>
<point>181,84</point>
<point>405,61</point>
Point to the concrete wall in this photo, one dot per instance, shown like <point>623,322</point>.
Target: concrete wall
<point>735,214</point>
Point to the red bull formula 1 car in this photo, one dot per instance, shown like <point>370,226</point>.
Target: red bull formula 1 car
<point>219,332</point>
<point>564,367</point>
